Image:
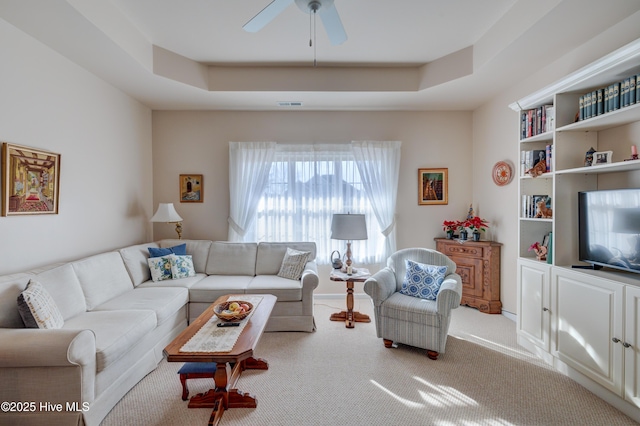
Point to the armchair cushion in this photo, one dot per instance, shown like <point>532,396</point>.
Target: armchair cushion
<point>422,281</point>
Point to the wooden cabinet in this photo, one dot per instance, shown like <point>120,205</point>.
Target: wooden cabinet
<point>478,264</point>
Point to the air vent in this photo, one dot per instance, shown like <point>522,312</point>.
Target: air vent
<point>290,104</point>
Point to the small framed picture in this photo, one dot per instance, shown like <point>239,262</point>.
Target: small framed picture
<point>433,186</point>
<point>30,181</point>
<point>191,188</point>
<point>602,157</point>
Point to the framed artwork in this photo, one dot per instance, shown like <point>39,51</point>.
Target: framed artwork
<point>602,157</point>
<point>191,188</point>
<point>433,186</point>
<point>30,181</point>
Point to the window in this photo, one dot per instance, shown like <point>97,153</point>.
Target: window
<point>307,184</point>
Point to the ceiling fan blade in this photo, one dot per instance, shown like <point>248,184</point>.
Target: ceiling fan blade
<point>265,16</point>
<point>333,25</point>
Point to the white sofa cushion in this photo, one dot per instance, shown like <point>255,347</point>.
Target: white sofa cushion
<point>284,289</point>
<point>226,258</point>
<point>102,277</point>
<point>63,286</point>
<point>116,331</point>
<point>214,286</point>
<point>270,255</point>
<point>180,282</point>
<point>164,301</point>
<point>198,249</point>
<point>135,260</point>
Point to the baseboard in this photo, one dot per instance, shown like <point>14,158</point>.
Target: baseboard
<point>513,317</point>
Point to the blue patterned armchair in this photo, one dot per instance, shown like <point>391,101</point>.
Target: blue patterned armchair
<point>411,320</point>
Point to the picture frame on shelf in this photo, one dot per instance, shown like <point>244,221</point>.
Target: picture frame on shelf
<point>191,188</point>
<point>433,186</point>
<point>602,157</point>
<point>30,180</point>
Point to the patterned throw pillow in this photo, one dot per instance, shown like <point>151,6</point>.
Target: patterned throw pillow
<point>293,264</point>
<point>182,266</point>
<point>422,280</point>
<point>38,309</point>
<point>160,268</point>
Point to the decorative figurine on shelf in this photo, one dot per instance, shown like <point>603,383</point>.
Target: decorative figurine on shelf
<point>542,211</point>
<point>540,250</point>
<point>470,214</point>
<point>634,153</point>
<point>538,169</point>
<point>588,157</point>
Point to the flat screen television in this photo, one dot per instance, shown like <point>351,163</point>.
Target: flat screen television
<point>609,228</point>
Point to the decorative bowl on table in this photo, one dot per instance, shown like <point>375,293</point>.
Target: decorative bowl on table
<point>233,310</point>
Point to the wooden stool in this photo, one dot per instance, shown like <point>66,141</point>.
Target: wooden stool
<point>195,370</point>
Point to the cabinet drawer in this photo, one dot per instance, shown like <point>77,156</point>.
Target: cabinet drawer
<point>460,250</point>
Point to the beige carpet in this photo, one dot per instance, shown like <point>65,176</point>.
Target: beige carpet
<point>346,376</point>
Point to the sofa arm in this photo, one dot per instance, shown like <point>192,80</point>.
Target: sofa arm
<point>381,285</point>
<point>450,294</point>
<point>309,277</point>
<point>47,365</point>
<point>29,347</point>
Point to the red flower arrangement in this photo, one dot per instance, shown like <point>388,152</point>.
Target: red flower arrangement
<point>476,223</point>
<point>450,225</point>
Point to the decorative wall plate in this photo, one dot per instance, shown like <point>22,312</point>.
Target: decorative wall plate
<point>502,173</point>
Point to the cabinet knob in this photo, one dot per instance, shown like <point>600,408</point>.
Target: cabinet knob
<point>615,340</point>
<point>545,309</point>
<point>626,345</point>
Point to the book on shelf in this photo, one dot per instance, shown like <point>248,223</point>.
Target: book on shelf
<point>617,95</point>
<point>550,249</point>
<point>536,121</point>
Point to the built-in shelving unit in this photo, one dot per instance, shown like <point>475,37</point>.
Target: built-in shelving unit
<point>558,306</point>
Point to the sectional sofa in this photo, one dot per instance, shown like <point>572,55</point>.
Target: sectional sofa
<point>117,321</point>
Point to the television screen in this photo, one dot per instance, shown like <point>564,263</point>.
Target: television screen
<point>609,228</point>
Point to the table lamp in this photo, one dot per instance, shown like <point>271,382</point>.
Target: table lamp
<point>167,213</point>
<point>348,227</point>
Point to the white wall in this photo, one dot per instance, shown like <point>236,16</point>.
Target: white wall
<point>495,136</point>
<point>197,142</point>
<point>104,137</point>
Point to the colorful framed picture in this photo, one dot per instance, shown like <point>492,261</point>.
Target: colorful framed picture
<point>30,181</point>
<point>191,188</point>
<point>433,186</point>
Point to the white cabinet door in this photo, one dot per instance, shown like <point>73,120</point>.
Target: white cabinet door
<point>533,302</point>
<point>630,345</point>
<point>588,326</point>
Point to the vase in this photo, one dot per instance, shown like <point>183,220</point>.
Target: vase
<point>463,234</point>
<point>476,236</point>
<point>449,235</point>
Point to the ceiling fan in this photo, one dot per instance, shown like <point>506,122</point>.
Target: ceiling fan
<point>325,8</point>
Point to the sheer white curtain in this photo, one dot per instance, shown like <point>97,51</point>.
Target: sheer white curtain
<point>249,167</point>
<point>379,166</point>
<point>307,184</point>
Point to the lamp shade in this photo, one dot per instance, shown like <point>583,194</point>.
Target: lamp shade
<point>348,227</point>
<point>166,213</point>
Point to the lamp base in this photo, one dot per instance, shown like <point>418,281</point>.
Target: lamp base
<point>179,229</point>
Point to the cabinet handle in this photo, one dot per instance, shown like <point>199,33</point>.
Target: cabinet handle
<point>626,345</point>
<point>615,340</point>
<point>545,309</point>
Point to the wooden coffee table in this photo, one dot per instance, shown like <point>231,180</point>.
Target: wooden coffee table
<point>229,365</point>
